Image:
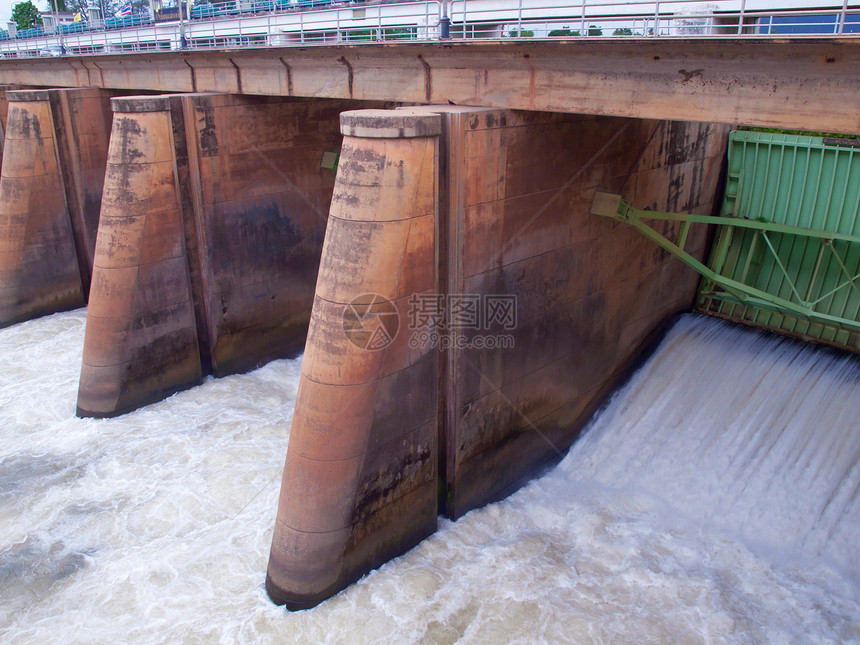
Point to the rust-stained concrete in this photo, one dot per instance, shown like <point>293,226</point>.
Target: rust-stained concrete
<point>588,292</point>
<point>808,83</point>
<point>261,201</point>
<point>360,483</point>
<point>212,225</point>
<point>502,211</point>
<point>4,107</point>
<point>38,263</point>
<point>141,339</point>
<point>83,126</point>
<point>50,194</point>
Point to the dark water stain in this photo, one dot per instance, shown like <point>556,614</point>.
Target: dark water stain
<point>27,124</point>
<point>208,135</point>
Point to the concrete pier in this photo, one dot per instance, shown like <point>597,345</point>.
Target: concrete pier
<point>212,224</point>
<point>470,315</point>
<point>55,149</point>
<point>141,338</point>
<point>360,486</point>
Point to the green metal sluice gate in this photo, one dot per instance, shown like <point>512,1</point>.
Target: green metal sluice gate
<point>786,251</point>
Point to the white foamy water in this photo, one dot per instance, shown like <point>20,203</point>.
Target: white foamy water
<point>714,500</point>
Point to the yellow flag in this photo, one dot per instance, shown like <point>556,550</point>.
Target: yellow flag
<point>77,17</point>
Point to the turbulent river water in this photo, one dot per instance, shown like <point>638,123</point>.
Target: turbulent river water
<point>714,499</point>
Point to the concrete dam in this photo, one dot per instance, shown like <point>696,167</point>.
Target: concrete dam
<point>469,279</point>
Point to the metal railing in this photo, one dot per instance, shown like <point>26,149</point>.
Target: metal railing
<point>266,23</point>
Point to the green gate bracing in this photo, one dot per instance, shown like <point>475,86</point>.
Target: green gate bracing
<point>786,253</point>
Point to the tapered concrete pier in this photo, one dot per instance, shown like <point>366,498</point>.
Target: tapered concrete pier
<point>211,229</point>
<point>141,338</point>
<point>360,486</point>
<point>50,192</point>
<point>470,315</point>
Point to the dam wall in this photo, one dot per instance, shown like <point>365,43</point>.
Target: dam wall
<point>583,296</point>
<point>55,151</point>
<point>470,315</point>
<point>211,230</point>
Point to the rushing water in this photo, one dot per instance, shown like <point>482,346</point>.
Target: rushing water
<point>714,499</point>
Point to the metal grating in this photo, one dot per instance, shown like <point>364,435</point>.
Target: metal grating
<point>807,182</point>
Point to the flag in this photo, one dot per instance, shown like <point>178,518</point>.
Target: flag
<point>78,17</point>
<point>124,11</point>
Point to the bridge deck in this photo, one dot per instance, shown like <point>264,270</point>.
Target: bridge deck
<point>803,83</point>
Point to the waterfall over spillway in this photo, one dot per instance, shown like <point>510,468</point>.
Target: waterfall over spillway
<point>714,498</point>
<point>754,432</point>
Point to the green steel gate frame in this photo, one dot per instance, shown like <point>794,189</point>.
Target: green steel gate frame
<point>786,250</point>
<point>722,287</point>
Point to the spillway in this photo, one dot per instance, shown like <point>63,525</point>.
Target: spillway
<point>715,497</point>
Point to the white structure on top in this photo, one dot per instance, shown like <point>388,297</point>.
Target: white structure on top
<point>261,23</point>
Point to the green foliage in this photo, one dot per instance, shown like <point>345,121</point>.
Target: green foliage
<point>360,34</point>
<point>561,33</point>
<point>623,31</point>
<point>525,33</point>
<point>594,30</point>
<point>390,33</point>
<point>395,33</point>
<point>61,5</point>
<point>107,7</point>
<point>25,15</point>
<point>76,5</point>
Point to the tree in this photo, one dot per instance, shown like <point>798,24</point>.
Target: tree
<point>61,5</point>
<point>107,7</point>
<point>594,30</point>
<point>25,15</point>
<point>525,33</point>
<point>77,5</point>
<point>623,31</point>
<point>561,33</point>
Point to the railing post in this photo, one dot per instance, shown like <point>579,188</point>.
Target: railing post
<point>656,18</point>
<point>741,18</point>
<point>582,30</point>
<point>379,21</point>
<point>444,21</point>
<point>520,19</point>
<point>841,26</point>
